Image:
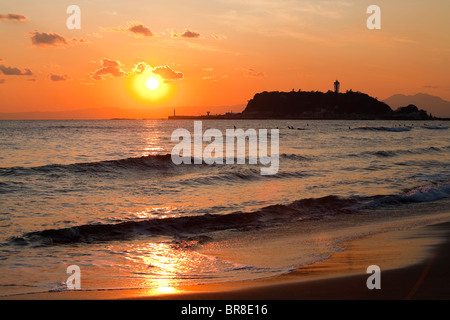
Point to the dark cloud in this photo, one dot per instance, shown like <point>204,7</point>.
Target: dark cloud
<point>2,81</point>
<point>12,71</point>
<point>140,29</point>
<point>51,39</point>
<point>44,39</point>
<point>13,17</point>
<point>167,73</point>
<point>108,68</point>
<point>57,77</point>
<point>187,34</point>
<point>137,29</point>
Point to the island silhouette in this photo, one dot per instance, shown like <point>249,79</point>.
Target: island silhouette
<point>316,105</point>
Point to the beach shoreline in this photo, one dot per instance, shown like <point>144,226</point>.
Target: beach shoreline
<point>419,273</point>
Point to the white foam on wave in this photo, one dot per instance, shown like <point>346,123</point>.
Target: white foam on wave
<point>427,193</point>
<point>389,129</point>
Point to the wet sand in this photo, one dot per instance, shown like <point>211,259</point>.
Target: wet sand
<point>415,264</point>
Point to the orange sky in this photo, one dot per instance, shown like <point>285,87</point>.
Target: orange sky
<point>215,52</point>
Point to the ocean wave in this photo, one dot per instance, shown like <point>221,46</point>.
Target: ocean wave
<point>145,162</point>
<point>428,193</point>
<point>397,152</point>
<point>435,128</point>
<point>241,174</point>
<point>189,225</point>
<point>425,193</point>
<point>186,226</point>
<point>389,129</point>
<point>148,163</point>
<point>295,157</point>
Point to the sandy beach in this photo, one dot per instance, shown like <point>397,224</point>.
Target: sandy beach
<point>414,265</point>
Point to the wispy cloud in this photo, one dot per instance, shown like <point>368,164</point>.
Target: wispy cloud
<point>215,78</point>
<point>251,73</point>
<point>12,17</point>
<point>218,37</point>
<point>404,40</point>
<point>281,18</point>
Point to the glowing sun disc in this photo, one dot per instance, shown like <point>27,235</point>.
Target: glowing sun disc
<point>152,83</point>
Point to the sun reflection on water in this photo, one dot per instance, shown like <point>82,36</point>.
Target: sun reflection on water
<point>153,143</point>
<point>155,213</point>
<point>162,266</point>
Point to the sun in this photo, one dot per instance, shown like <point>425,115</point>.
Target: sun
<point>152,83</point>
<point>148,86</point>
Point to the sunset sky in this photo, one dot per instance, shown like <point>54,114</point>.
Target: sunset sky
<point>215,52</point>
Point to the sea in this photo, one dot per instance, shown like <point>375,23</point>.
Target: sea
<point>105,195</point>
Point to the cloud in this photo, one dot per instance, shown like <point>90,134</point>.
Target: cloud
<point>164,72</point>
<point>404,40</point>
<point>13,17</point>
<point>108,68</point>
<point>433,87</point>
<point>47,39</point>
<point>251,73</point>
<point>137,29</point>
<point>44,39</point>
<point>167,73</point>
<point>2,81</point>
<point>140,68</point>
<point>218,37</point>
<point>186,34</point>
<point>215,78</point>
<point>211,78</point>
<point>58,78</point>
<point>12,71</point>
<point>141,29</point>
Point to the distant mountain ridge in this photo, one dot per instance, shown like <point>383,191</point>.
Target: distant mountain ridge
<point>437,106</point>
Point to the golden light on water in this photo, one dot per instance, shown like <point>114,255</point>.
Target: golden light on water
<point>166,290</point>
<point>161,264</point>
<point>155,213</point>
<point>154,145</point>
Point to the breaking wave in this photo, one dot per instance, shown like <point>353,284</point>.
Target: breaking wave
<point>389,129</point>
<point>184,226</point>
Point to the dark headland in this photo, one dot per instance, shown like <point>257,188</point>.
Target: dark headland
<point>317,105</point>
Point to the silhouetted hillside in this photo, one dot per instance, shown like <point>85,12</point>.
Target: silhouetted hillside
<point>320,105</point>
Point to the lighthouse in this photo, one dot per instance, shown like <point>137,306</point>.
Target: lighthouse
<point>337,86</point>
